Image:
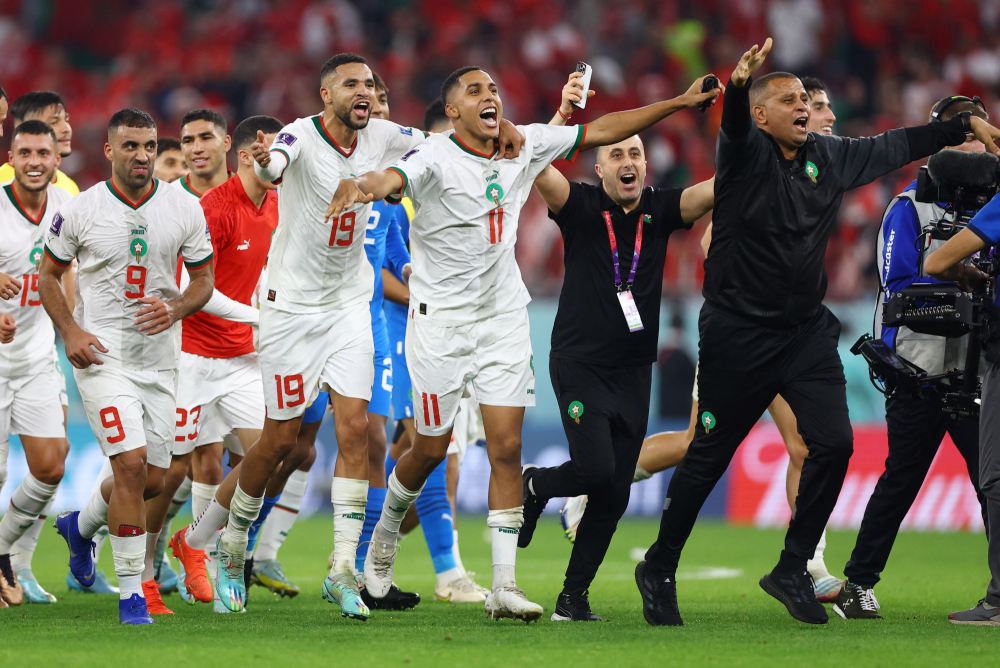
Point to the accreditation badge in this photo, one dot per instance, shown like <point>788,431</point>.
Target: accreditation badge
<point>630,311</point>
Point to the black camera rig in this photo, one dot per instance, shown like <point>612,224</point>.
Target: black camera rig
<point>961,183</point>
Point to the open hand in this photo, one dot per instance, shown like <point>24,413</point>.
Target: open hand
<point>157,316</point>
<point>510,141</point>
<point>750,63</point>
<point>986,133</point>
<point>348,194</point>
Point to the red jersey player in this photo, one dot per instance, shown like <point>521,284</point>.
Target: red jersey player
<point>218,362</point>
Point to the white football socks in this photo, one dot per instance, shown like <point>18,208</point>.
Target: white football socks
<point>349,497</point>
<point>94,515</point>
<point>817,566</point>
<point>505,525</point>
<point>243,510</point>
<point>148,562</point>
<point>130,555</point>
<point>201,497</point>
<point>26,503</point>
<point>398,500</point>
<point>24,547</point>
<point>282,517</point>
<point>202,533</point>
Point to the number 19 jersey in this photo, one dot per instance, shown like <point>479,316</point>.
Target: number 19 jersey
<point>318,266</point>
<point>20,255</point>
<point>127,251</point>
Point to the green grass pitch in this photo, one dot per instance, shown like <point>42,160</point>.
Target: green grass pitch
<point>729,620</point>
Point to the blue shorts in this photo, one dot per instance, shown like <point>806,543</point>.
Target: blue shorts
<point>316,410</point>
<point>382,388</point>
<point>402,391</point>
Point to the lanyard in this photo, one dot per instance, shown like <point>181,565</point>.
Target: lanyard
<point>614,251</point>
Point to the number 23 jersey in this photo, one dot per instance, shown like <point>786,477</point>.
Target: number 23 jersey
<point>20,255</point>
<point>127,251</point>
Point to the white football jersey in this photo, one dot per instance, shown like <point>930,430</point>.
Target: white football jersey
<point>128,251</point>
<point>20,255</point>
<point>463,233</point>
<point>317,266</point>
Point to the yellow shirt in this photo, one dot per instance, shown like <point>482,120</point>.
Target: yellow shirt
<point>63,181</point>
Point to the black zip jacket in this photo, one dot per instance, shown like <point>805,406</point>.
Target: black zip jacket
<point>773,217</point>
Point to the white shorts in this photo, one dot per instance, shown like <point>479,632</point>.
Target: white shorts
<point>304,353</point>
<point>32,405</point>
<point>130,409</point>
<point>217,395</point>
<point>493,354</point>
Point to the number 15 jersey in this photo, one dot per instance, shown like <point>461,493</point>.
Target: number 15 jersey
<point>127,251</point>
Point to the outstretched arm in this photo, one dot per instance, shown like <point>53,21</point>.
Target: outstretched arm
<point>365,188</point>
<point>697,200</point>
<point>613,128</point>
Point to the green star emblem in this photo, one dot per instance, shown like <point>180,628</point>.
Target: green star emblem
<point>575,411</point>
<point>708,421</point>
<point>36,256</point>
<point>812,171</point>
<point>494,193</point>
<point>137,247</point>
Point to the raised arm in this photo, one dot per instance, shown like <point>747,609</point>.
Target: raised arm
<point>697,200</point>
<point>614,127</point>
<point>78,342</point>
<point>365,188</point>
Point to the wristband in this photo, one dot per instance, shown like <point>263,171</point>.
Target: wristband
<point>564,116</point>
<point>966,121</point>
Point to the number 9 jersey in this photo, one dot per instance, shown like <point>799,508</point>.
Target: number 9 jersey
<point>127,251</point>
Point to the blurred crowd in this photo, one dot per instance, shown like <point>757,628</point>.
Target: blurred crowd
<point>884,61</point>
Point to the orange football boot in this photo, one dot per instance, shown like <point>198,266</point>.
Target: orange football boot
<point>195,575</point>
<point>154,602</point>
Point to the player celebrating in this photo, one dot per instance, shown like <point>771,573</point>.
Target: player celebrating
<point>127,234</point>
<point>218,359</point>
<point>49,108</point>
<point>31,381</point>
<point>315,326</point>
<point>467,317</point>
<point>204,144</point>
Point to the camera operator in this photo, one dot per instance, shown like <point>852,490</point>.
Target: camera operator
<point>915,426</point>
<point>946,264</point>
<point>763,328</point>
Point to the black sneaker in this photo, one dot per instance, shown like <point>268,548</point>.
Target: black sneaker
<point>857,602</point>
<point>533,507</point>
<point>659,599</point>
<point>795,590</point>
<point>396,599</point>
<point>574,608</point>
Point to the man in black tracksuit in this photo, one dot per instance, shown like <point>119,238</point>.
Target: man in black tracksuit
<point>763,327</point>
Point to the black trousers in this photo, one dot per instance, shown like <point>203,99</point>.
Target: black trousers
<point>916,427</point>
<point>743,366</point>
<point>605,411</point>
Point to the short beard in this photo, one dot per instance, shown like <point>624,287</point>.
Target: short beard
<point>32,189</point>
<point>135,183</point>
<point>617,195</point>
<point>346,117</point>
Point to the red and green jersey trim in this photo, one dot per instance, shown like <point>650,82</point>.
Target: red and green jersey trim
<point>9,188</point>
<point>283,152</point>
<point>125,200</point>
<point>318,122</point>
<point>406,180</point>
<point>199,263</point>
<point>56,259</point>
<point>468,149</point>
<point>581,135</point>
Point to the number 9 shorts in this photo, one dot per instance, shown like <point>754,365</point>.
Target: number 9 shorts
<point>130,409</point>
<point>303,353</point>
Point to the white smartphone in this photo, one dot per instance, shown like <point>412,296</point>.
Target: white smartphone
<point>587,72</point>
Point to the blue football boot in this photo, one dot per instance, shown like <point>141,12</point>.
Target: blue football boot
<point>132,610</point>
<point>81,550</point>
